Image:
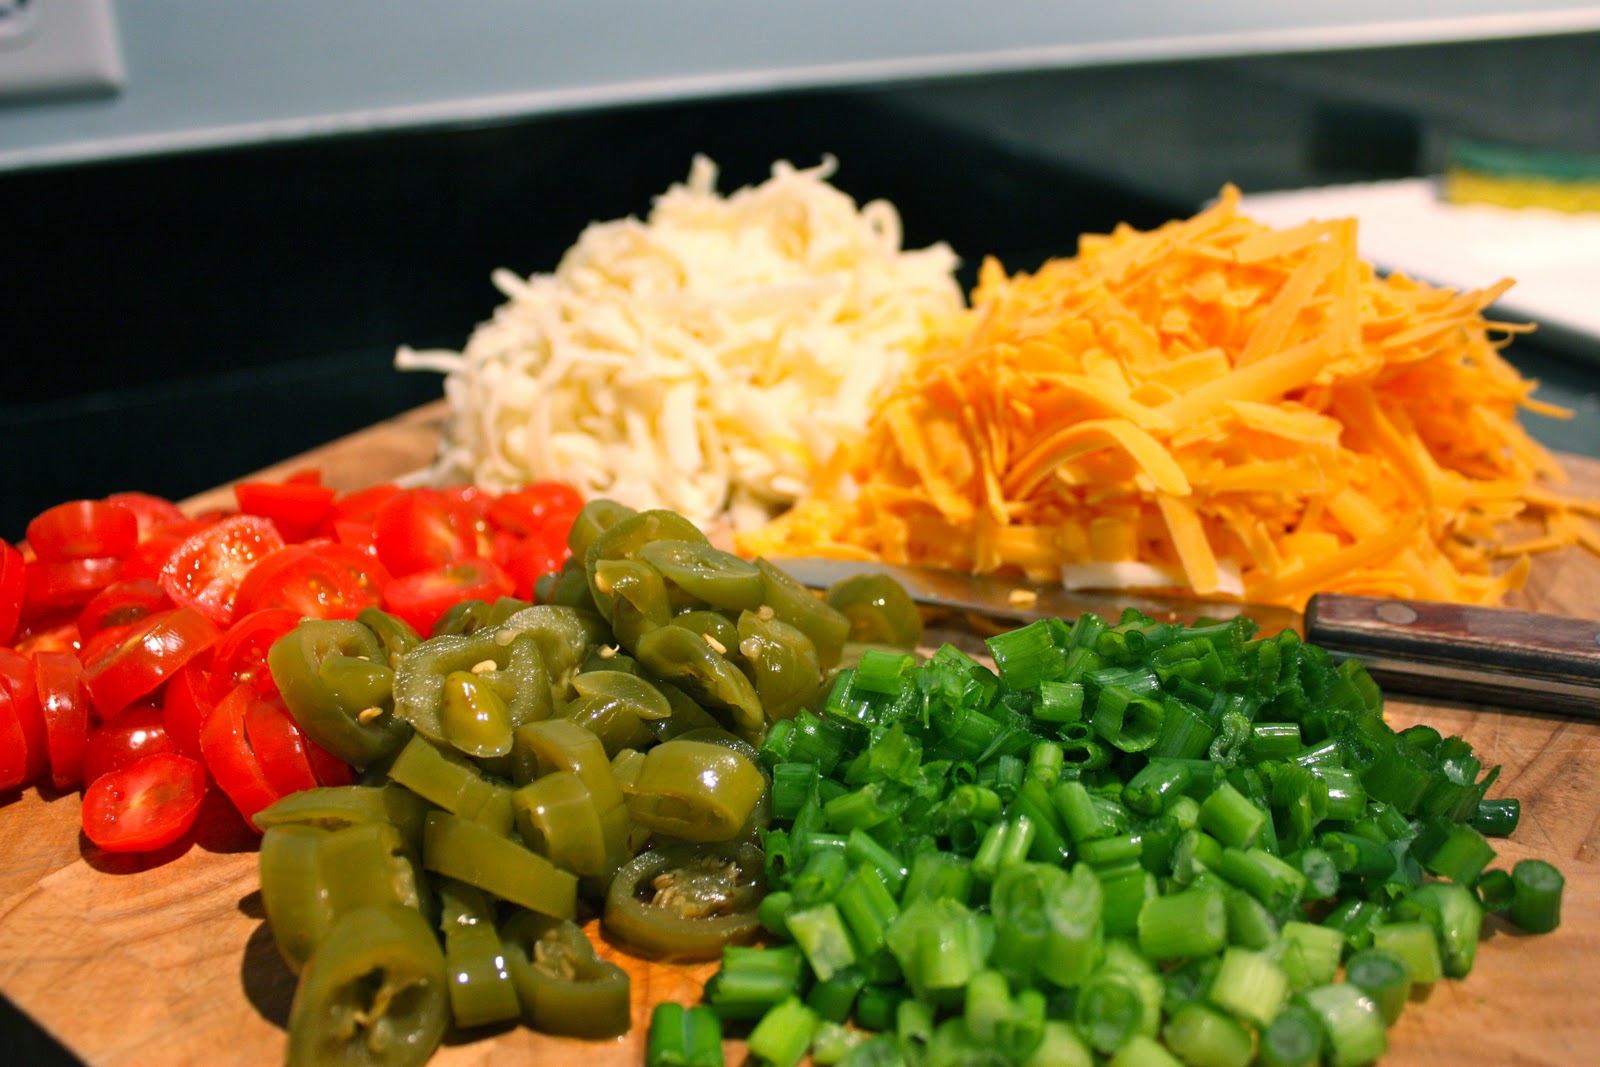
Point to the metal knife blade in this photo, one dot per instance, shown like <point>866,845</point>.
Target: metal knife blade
<point>1518,660</point>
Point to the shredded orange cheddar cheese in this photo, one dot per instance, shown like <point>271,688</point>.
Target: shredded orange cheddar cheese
<point>1213,407</point>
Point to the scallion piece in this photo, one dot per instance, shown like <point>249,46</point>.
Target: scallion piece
<point>1456,917</point>
<point>1109,1010</point>
<point>751,981</point>
<point>821,934</point>
<point>1383,977</point>
<point>1497,818</point>
<point>1143,1051</point>
<point>1182,925</point>
<point>832,1042</point>
<point>1293,1039</point>
<point>1536,896</point>
<point>783,1036</point>
<point>1249,985</point>
<point>1350,1021</point>
<point>1199,1034</point>
<point>683,1037</point>
<point>1415,943</point>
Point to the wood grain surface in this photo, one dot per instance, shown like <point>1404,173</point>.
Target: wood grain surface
<point>165,959</point>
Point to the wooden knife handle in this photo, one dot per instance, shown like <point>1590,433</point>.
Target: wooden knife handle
<point>1520,660</point>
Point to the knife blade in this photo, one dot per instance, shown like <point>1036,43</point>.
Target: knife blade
<point>1503,657</point>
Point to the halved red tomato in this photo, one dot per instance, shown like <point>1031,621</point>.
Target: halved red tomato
<point>228,755</point>
<point>319,578</point>
<point>138,732</point>
<point>52,585</point>
<point>297,508</point>
<point>422,597</point>
<point>185,703</point>
<point>127,600</point>
<point>241,654</point>
<point>526,559</point>
<point>362,505</point>
<point>13,745</point>
<point>148,655</point>
<point>152,512</point>
<point>424,529</point>
<point>536,507</point>
<point>83,529</point>
<point>13,584</point>
<point>17,677</point>
<point>58,677</point>
<point>146,805</point>
<point>206,570</point>
<point>279,745</point>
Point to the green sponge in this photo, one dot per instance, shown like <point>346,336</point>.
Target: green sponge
<point>1479,173</point>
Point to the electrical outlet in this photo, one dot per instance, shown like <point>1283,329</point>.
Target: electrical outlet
<point>49,47</point>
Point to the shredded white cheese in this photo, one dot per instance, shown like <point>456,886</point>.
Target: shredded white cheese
<point>707,359</point>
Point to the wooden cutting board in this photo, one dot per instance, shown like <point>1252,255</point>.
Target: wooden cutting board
<point>166,958</point>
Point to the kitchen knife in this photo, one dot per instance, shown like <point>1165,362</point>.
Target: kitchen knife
<point>1518,660</point>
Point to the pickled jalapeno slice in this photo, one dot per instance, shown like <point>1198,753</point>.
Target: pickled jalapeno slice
<point>336,681</point>
<point>686,902</point>
<point>564,987</point>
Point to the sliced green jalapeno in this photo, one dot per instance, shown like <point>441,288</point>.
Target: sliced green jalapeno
<point>595,518</point>
<point>567,587</point>
<point>481,991</point>
<point>695,790</point>
<point>393,633</point>
<point>370,863</point>
<point>563,636</point>
<point>299,912</point>
<point>470,616</point>
<point>563,745</point>
<point>686,902</point>
<point>474,717</point>
<point>509,660</point>
<point>799,607</point>
<point>880,610</point>
<point>623,539</point>
<point>714,628</point>
<point>467,851</point>
<point>707,574</point>
<point>336,681</point>
<point>453,782</point>
<point>634,598</point>
<point>563,986</point>
<point>558,817</point>
<point>683,658</point>
<point>374,992</point>
<point>782,663</point>
<point>617,707</point>
<point>335,807</point>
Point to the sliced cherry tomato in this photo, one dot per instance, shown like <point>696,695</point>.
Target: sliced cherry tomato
<point>298,509</point>
<point>155,549</point>
<point>317,578</point>
<point>535,507</point>
<point>83,529</point>
<point>329,769</point>
<point>58,677</point>
<point>102,641</point>
<point>153,513</point>
<point>13,745</point>
<point>424,529</point>
<point>421,598</point>
<point>13,584</point>
<point>241,654</point>
<point>278,744</point>
<point>138,732</point>
<point>148,655</point>
<point>305,476</point>
<point>17,677</point>
<point>526,559</point>
<point>185,703</point>
<point>228,756</point>
<point>127,600</point>
<point>205,571</point>
<point>362,505</point>
<point>53,585</point>
<point>52,633</point>
<point>146,805</point>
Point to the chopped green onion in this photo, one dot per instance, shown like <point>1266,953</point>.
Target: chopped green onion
<point>1536,896</point>
<point>820,932</point>
<point>832,1042</point>
<point>751,981</point>
<point>683,1037</point>
<point>1383,977</point>
<point>1497,818</point>
<point>1182,925</point>
<point>1456,917</point>
<point>1293,1039</point>
<point>783,1035</point>
<point>1249,985</point>
<point>1350,1021</point>
<point>1417,946</point>
<point>1197,1034</point>
<point>1231,817</point>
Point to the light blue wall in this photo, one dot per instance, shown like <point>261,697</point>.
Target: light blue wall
<point>216,72</point>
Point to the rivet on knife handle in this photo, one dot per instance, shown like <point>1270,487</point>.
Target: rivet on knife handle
<point>1519,660</point>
